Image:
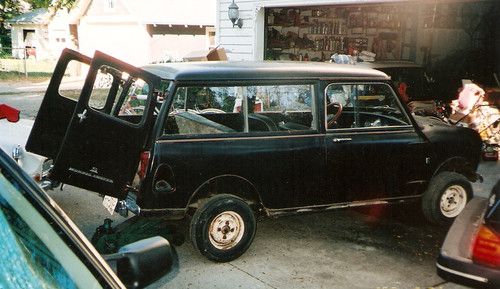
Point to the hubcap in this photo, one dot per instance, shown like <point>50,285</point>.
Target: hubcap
<point>453,201</point>
<point>226,230</point>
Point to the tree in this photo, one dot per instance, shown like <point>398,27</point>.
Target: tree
<point>12,8</point>
<point>59,4</point>
<point>35,4</point>
<point>8,9</point>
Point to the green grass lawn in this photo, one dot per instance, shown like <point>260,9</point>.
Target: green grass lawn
<point>14,76</point>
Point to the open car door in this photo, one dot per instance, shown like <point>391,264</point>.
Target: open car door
<point>57,107</point>
<point>106,133</point>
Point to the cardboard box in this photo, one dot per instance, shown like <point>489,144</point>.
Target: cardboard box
<point>215,54</point>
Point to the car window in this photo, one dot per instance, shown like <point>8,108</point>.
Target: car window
<point>135,95</point>
<point>120,95</point>
<point>363,105</point>
<point>103,86</point>
<point>33,253</point>
<point>74,73</point>
<point>233,109</point>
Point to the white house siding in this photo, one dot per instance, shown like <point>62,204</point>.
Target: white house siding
<point>122,30</point>
<point>175,46</point>
<point>17,41</point>
<point>114,31</point>
<point>126,41</point>
<point>58,34</point>
<point>238,42</point>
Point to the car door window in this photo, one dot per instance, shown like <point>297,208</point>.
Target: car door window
<point>241,109</point>
<point>118,94</point>
<point>34,254</point>
<point>363,105</point>
<point>103,86</point>
<point>71,82</point>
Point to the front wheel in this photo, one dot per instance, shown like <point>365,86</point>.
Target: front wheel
<point>223,228</point>
<point>446,197</point>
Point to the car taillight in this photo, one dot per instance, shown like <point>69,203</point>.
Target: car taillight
<point>144,164</point>
<point>486,248</point>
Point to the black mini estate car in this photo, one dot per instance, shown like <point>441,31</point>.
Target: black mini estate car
<point>222,143</point>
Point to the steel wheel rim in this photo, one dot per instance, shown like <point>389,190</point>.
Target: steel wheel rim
<point>453,201</point>
<point>226,230</point>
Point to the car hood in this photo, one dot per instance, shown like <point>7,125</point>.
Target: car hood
<point>430,121</point>
<point>449,140</point>
<point>437,130</point>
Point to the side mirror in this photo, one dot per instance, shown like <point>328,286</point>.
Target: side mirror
<point>141,263</point>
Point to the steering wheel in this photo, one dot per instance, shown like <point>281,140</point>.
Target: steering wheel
<point>333,106</point>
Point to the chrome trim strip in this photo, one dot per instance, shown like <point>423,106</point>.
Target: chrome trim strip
<point>462,274</point>
<point>256,137</point>
<point>383,129</point>
<point>353,131</point>
<point>237,138</point>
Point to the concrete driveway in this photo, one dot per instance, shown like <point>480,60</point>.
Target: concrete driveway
<point>379,247</point>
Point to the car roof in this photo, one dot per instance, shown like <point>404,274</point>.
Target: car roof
<point>260,70</point>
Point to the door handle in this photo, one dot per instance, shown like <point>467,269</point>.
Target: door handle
<point>82,115</point>
<point>342,139</point>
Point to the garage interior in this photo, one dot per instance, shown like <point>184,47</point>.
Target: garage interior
<point>459,37</point>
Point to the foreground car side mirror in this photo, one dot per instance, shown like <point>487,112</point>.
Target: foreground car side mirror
<point>140,263</point>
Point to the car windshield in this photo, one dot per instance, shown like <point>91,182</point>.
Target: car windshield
<point>33,253</point>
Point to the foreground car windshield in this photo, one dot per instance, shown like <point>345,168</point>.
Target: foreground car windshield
<point>33,253</point>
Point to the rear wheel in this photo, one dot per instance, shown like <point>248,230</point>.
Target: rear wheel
<point>446,197</point>
<point>223,228</point>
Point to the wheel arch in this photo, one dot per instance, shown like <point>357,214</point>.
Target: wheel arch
<point>228,184</point>
<point>459,165</point>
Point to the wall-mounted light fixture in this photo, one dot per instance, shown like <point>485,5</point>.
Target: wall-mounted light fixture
<point>234,15</point>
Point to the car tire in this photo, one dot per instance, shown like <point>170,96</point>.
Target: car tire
<point>223,228</point>
<point>446,197</point>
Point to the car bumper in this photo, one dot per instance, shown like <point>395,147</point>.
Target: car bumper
<point>454,261</point>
